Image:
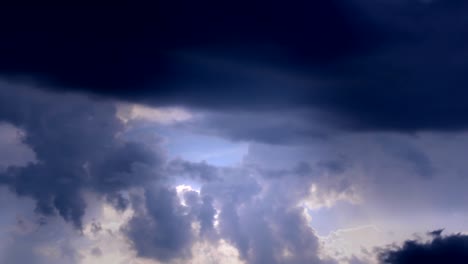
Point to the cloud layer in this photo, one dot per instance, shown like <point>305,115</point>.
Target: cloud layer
<point>351,59</point>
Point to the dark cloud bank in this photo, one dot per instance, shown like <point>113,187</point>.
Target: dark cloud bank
<point>375,65</point>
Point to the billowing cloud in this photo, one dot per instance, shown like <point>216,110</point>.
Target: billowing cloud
<point>83,155</point>
<point>77,147</point>
<point>265,226</point>
<point>239,206</point>
<point>163,231</point>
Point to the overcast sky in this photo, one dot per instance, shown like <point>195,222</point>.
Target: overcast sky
<point>254,132</point>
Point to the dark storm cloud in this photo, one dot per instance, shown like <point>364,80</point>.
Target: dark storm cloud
<point>415,80</point>
<point>441,249</point>
<point>126,48</point>
<point>372,68</point>
<point>76,144</point>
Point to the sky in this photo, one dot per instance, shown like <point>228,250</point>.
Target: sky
<point>237,132</point>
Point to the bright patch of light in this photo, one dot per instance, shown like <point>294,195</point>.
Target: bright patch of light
<point>183,188</point>
<point>318,199</point>
<point>216,219</point>
<point>104,233</point>
<point>221,252</point>
<point>162,115</point>
<point>357,241</point>
<point>198,147</point>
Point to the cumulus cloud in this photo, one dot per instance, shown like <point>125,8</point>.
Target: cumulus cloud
<point>163,231</point>
<point>81,151</point>
<point>77,146</point>
<point>265,226</point>
<point>238,206</point>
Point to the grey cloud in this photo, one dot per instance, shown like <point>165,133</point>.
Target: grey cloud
<point>203,210</point>
<point>236,185</point>
<point>192,170</point>
<point>264,222</point>
<point>274,127</point>
<point>411,154</point>
<point>96,252</point>
<point>24,250</point>
<point>163,229</point>
<point>336,166</point>
<point>75,140</point>
<point>356,260</point>
<point>29,241</point>
<point>258,215</point>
